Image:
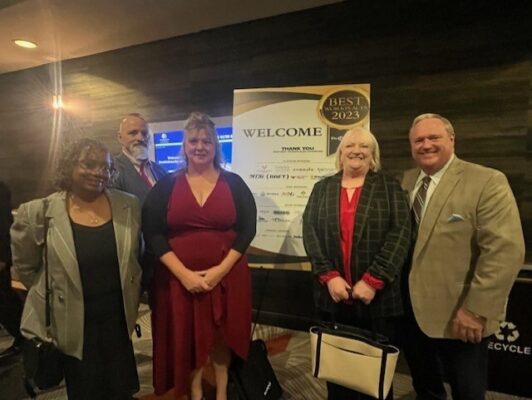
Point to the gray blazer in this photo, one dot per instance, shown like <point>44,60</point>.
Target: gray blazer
<point>129,179</point>
<point>67,308</point>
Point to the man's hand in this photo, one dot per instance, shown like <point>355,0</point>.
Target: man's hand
<point>467,326</point>
<point>338,289</point>
<point>363,292</point>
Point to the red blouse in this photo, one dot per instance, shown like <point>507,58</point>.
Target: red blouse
<point>348,210</point>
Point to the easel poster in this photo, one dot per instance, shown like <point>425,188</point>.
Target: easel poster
<point>284,140</point>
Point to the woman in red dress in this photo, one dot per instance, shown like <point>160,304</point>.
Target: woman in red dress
<point>199,222</point>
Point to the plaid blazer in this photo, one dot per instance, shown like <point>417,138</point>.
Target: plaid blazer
<point>381,239</point>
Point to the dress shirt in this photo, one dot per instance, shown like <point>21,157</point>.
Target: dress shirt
<point>147,167</point>
<point>434,180</point>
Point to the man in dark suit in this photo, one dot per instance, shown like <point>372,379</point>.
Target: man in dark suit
<point>10,304</point>
<point>136,174</point>
<point>468,251</point>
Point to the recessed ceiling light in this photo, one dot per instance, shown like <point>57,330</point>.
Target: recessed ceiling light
<point>25,43</point>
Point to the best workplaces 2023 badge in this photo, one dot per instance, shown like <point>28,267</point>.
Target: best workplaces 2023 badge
<point>342,109</point>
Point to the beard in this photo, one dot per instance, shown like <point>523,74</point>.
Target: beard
<point>139,151</point>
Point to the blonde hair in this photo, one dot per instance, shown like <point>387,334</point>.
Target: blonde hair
<point>375,164</point>
<point>197,121</point>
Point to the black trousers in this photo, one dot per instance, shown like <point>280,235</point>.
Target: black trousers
<point>385,326</point>
<point>431,361</point>
<point>10,306</point>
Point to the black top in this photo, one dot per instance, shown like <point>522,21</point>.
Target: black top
<point>155,228</point>
<point>99,269</point>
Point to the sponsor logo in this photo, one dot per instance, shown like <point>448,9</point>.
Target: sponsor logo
<point>282,168</point>
<point>278,219</point>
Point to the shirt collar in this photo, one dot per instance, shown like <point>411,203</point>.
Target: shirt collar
<point>134,161</point>
<point>436,176</point>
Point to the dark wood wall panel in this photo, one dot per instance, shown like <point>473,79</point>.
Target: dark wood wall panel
<point>471,64</point>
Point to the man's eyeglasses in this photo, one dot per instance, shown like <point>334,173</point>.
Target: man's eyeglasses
<point>95,166</point>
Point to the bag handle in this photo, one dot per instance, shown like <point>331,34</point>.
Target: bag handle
<point>261,299</point>
<point>46,273</point>
<point>370,329</point>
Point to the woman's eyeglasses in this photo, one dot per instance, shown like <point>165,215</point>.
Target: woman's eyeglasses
<point>95,166</point>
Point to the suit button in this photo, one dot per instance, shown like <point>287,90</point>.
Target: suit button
<point>61,297</point>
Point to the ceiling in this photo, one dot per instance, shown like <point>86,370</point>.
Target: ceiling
<point>65,29</point>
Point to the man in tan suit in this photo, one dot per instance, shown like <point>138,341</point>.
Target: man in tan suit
<point>468,250</point>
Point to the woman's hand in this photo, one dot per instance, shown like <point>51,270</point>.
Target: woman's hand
<point>338,289</point>
<point>213,275</point>
<point>363,292</point>
<point>194,282</point>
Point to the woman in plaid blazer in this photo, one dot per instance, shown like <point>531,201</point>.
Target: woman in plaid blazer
<point>356,232</point>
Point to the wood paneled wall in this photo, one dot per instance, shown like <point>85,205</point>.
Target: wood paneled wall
<point>471,64</point>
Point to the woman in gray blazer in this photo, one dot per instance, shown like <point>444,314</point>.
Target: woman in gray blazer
<point>94,274</point>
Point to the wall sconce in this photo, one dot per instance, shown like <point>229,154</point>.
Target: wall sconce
<point>57,102</point>
<point>25,43</point>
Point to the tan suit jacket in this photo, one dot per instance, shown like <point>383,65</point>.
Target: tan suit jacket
<point>469,248</point>
<point>67,310</point>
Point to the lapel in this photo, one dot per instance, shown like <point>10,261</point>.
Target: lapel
<point>156,172</point>
<point>131,171</point>
<point>63,240</point>
<point>364,205</point>
<point>437,202</point>
<point>121,212</point>
<point>409,180</point>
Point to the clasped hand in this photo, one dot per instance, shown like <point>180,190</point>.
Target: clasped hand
<point>202,281</point>
<point>340,290</point>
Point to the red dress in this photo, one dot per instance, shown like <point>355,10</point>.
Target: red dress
<point>185,325</point>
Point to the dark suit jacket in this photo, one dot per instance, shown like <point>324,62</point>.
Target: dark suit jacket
<point>381,239</point>
<point>129,179</point>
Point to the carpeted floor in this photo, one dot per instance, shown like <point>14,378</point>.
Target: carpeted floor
<point>289,354</point>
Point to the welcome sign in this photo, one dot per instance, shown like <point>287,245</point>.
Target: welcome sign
<point>284,140</point>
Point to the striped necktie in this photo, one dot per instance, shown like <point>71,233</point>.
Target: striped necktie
<point>419,200</point>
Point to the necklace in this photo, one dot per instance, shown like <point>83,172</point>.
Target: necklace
<point>89,215</point>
